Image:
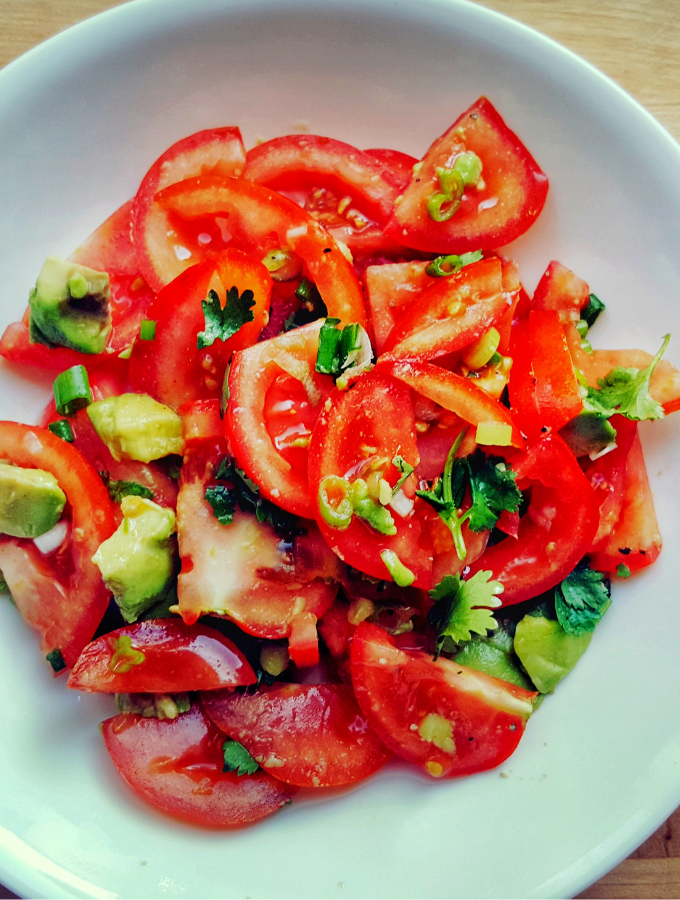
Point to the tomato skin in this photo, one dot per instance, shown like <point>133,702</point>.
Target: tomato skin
<point>557,530</point>
<point>252,374</point>
<point>171,367</point>
<point>607,476</point>
<point>510,175</point>
<point>430,328</point>
<point>303,734</point>
<point>67,619</point>
<point>177,658</point>
<point>543,389</point>
<point>397,167</point>
<point>401,692</point>
<point>176,766</point>
<point>261,220</point>
<point>453,392</point>
<point>635,539</point>
<point>216,150</point>
<point>375,414</point>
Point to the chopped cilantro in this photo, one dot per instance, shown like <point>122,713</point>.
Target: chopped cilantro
<point>492,489</point>
<point>592,310</point>
<point>581,600</point>
<point>626,391</point>
<point>119,489</point>
<point>221,323</point>
<point>462,607</point>
<point>246,494</point>
<point>237,759</point>
<point>622,571</point>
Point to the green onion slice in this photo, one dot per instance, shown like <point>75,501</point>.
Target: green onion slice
<point>147,330</point>
<point>72,391</point>
<point>62,429</point>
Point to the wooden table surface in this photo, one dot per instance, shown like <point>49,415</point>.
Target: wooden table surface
<point>635,42</point>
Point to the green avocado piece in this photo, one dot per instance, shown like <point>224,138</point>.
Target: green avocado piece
<point>137,561</point>
<point>31,501</point>
<point>70,307</point>
<point>588,433</point>
<point>135,426</point>
<point>494,656</point>
<point>546,651</point>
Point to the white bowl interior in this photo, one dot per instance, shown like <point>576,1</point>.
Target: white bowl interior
<point>81,119</point>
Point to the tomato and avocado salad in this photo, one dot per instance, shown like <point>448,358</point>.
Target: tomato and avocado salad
<point>321,484</point>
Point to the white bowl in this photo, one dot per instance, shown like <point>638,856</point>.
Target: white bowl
<point>81,118</point>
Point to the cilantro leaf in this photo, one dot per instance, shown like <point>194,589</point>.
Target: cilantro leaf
<point>237,759</point>
<point>222,323</point>
<point>119,489</point>
<point>492,489</point>
<point>246,494</point>
<point>581,600</point>
<point>626,391</point>
<point>223,502</point>
<point>462,607</point>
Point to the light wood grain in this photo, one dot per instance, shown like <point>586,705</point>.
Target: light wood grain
<point>635,42</point>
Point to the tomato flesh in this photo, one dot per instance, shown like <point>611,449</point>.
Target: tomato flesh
<point>303,734</point>
<point>174,658</point>
<point>176,766</point>
<point>439,715</point>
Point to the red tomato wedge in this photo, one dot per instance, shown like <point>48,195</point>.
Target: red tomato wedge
<point>512,196</point>
<point>259,220</point>
<point>66,615</point>
<point>556,531</point>
<point>451,313</point>
<point>254,373</point>
<point>543,389</point>
<point>439,715</point>
<point>310,735</point>
<point>635,539</point>
<point>245,570</point>
<point>390,289</point>
<point>176,766</point>
<point>108,249</point>
<point>162,656</point>
<point>560,289</point>
<point>348,191</point>
<point>360,431</point>
<point>397,167</point>
<point>171,367</point>
<point>607,476</point>
<point>218,151</point>
<point>453,392</point>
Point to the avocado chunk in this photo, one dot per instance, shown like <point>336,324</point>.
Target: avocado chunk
<point>135,426</point>
<point>70,307</point>
<point>137,561</point>
<point>31,501</point>
<point>588,433</point>
<point>546,651</point>
<point>494,656</point>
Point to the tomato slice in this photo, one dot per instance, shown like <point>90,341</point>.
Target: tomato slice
<point>67,615</point>
<point>253,424</point>
<point>347,190</point>
<point>108,249</point>
<point>437,714</point>
<point>556,531</point>
<point>397,167</point>
<point>453,392</point>
<point>216,150</point>
<point>176,766</point>
<point>451,313</point>
<point>501,208</point>
<point>171,367</point>
<point>560,289</point>
<point>635,539</point>
<point>359,431</point>
<point>311,735</point>
<point>607,476</point>
<point>664,386</point>
<point>390,289</point>
<point>259,220</point>
<point>245,571</point>
<point>162,656</point>
<point>543,389</point>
